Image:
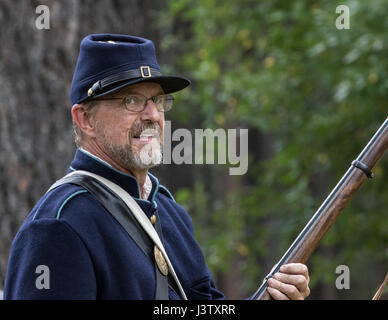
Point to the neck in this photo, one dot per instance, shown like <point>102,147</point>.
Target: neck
<point>139,174</point>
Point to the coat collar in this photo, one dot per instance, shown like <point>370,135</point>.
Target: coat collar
<point>84,160</point>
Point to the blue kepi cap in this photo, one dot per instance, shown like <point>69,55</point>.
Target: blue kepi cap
<point>109,62</point>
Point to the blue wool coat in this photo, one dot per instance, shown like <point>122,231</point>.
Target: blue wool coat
<point>90,256</point>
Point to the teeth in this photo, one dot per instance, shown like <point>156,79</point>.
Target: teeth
<point>145,137</point>
<point>148,134</point>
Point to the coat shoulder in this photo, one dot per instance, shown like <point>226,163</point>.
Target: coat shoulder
<point>54,203</point>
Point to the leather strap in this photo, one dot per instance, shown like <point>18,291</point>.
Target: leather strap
<point>140,217</point>
<point>114,206</point>
<point>119,210</point>
<point>142,72</point>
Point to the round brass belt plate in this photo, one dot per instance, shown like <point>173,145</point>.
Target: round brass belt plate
<point>160,261</point>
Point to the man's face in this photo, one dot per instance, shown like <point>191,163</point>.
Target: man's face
<point>131,139</point>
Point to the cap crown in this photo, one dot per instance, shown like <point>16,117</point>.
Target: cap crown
<point>104,55</point>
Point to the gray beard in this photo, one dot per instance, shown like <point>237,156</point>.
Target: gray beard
<point>149,156</point>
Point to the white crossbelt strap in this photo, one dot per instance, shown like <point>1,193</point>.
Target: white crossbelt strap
<point>140,217</point>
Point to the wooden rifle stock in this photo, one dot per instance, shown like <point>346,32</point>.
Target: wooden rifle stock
<point>324,217</point>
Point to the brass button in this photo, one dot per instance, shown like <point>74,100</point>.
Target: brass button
<point>153,219</point>
<point>160,261</point>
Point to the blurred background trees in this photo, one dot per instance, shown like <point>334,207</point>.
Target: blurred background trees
<point>311,96</point>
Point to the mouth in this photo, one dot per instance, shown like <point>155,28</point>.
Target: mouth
<point>147,135</point>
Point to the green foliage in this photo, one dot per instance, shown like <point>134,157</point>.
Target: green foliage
<point>283,69</point>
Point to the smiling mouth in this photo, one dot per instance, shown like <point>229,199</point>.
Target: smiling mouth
<point>146,138</point>
<point>147,135</point>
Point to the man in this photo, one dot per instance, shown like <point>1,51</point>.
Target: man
<point>70,246</point>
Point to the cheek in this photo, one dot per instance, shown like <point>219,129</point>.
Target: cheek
<point>114,129</point>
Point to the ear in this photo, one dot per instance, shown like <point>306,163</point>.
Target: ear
<point>82,119</point>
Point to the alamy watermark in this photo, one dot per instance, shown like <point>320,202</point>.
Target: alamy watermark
<point>43,280</point>
<point>200,146</point>
<point>207,146</point>
<point>42,22</point>
<point>343,280</point>
<point>343,20</point>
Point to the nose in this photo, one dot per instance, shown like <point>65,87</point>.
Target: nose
<point>151,112</point>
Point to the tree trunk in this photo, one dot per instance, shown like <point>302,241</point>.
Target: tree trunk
<point>37,66</point>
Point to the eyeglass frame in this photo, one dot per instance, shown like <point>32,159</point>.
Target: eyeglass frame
<point>168,97</point>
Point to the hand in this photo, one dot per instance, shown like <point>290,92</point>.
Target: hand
<point>290,283</point>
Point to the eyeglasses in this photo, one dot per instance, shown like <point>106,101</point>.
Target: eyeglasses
<point>138,102</point>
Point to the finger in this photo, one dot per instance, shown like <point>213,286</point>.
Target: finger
<point>297,280</point>
<point>289,290</point>
<point>295,268</point>
<point>276,294</point>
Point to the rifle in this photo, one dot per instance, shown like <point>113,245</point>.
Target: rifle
<point>336,201</point>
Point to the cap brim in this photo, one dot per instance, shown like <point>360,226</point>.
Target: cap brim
<point>169,84</point>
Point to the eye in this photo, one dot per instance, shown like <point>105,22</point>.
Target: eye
<point>132,100</point>
<point>158,99</point>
